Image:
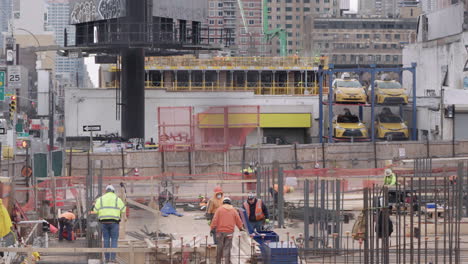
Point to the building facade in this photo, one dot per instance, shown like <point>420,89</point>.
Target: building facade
<point>354,41</point>
<point>290,15</point>
<point>5,16</point>
<point>68,70</point>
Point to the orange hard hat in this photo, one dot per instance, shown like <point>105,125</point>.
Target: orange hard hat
<point>218,189</point>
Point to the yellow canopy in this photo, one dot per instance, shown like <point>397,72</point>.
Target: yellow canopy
<point>5,220</point>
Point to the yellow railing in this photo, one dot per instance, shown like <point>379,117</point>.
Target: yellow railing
<point>268,62</point>
<point>258,88</point>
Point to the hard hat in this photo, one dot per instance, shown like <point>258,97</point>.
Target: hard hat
<point>291,189</point>
<point>388,172</point>
<point>218,189</point>
<point>110,188</point>
<point>251,195</point>
<point>227,200</point>
<point>252,164</point>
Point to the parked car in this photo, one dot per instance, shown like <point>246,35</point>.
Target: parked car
<point>390,127</point>
<point>388,92</point>
<point>347,90</point>
<point>349,126</point>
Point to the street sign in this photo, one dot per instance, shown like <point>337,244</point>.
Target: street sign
<point>14,76</point>
<point>2,131</point>
<point>92,128</point>
<point>2,86</point>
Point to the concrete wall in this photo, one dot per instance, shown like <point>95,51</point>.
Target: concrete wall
<point>341,155</point>
<point>97,107</point>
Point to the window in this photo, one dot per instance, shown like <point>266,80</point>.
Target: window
<point>290,43</point>
<point>397,36</point>
<point>317,10</point>
<point>289,26</point>
<point>220,4</point>
<point>288,9</point>
<point>327,45</point>
<point>212,22</point>
<point>358,36</point>
<point>353,59</point>
<point>317,1</point>
<point>288,17</point>
<point>220,13</point>
<point>220,22</point>
<point>212,4</point>
<point>343,58</point>
<point>346,36</point>
<point>370,58</point>
<point>394,46</point>
<point>387,58</point>
<point>306,9</point>
<point>251,4</point>
<point>378,58</point>
<point>377,36</point>
<point>298,25</point>
<point>384,46</point>
<point>298,9</point>
<point>251,21</point>
<point>212,13</point>
<point>326,10</point>
<point>269,9</point>
<point>251,14</point>
<point>326,1</point>
<point>388,36</point>
<point>278,17</point>
<point>366,36</point>
<point>298,17</point>
<point>377,46</point>
<point>288,1</point>
<point>269,17</point>
<point>289,34</point>
<point>306,1</point>
<point>361,58</point>
<point>278,9</point>
<point>395,58</point>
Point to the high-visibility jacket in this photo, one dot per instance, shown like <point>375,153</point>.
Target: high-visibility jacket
<point>248,170</point>
<point>109,207</point>
<point>390,180</point>
<point>259,215</point>
<point>68,215</point>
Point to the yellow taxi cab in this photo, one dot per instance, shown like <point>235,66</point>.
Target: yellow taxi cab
<point>349,126</point>
<point>389,92</point>
<point>390,126</point>
<point>347,90</point>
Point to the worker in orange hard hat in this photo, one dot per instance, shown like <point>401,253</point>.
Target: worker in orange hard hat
<point>214,203</point>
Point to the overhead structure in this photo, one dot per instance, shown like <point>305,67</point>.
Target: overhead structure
<point>270,34</point>
<point>130,30</point>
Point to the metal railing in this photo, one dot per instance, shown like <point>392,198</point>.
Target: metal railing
<point>213,86</point>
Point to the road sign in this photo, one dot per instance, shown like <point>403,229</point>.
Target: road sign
<point>92,128</point>
<point>14,76</point>
<point>2,86</point>
<point>2,131</point>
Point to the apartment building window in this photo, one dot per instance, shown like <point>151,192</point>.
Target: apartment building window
<point>212,13</point>
<point>212,4</point>
<point>289,26</point>
<point>366,36</point>
<point>298,9</point>
<point>269,17</point>
<point>378,58</point>
<point>334,58</point>
<point>289,34</point>
<point>361,58</point>
<point>278,17</point>
<point>298,17</point>
<point>297,43</point>
<point>288,9</point>
<point>353,59</point>
<point>251,14</point>
<point>326,10</point>
<point>317,10</point>
<point>212,22</point>
<point>327,45</point>
<point>278,9</point>
<point>288,17</point>
<point>358,36</point>
<point>346,36</point>
<point>220,13</point>
<point>306,1</point>
<point>220,4</point>
<point>377,46</point>
<point>306,9</point>
<point>317,1</point>
<point>251,21</point>
<point>269,9</point>
<point>220,22</point>
<point>397,36</point>
<point>343,58</point>
<point>326,1</point>
<point>387,58</point>
<point>388,36</point>
<point>395,58</point>
<point>377,36</point>
<point>288,1</point>
<point>251,4</point>
<point>394,46</point>
<point>370,58</point>
<point>290,43</point>
<point>384,46</point>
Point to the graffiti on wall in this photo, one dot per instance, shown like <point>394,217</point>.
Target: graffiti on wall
<point>83,11</point>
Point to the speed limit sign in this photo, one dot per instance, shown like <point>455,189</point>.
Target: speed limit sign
<point>14,77</point>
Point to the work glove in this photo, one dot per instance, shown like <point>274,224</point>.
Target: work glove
<point>267,221</point>
<point>209,222</point>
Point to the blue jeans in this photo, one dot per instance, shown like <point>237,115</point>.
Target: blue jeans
<point>110,233</point>
<point>257,225</point>
<point>64,223</point>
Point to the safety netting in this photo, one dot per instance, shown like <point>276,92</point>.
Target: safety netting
<point>215,128</point>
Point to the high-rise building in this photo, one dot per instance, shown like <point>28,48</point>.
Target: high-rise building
<point>69,70</point>
<point>5,15</point>
<point>384,8</point>
<point>428,5</point>
<point>290,15</point>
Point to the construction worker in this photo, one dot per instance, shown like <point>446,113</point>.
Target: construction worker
<point>224,222</point>
<point>214,203</point>
<point>257,212</point>
<point>66,221</point>
<point>274,191</point>
<point>390,178</point>
<point>249,173</point>
<point>109,208</point>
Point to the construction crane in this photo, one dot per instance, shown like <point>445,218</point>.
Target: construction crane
<point>272,33</point>
<point>251,48</point>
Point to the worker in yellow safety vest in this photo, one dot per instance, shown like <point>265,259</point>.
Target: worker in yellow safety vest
<point>390,178</point>
<point>257,213</point>
<point>109,209</point>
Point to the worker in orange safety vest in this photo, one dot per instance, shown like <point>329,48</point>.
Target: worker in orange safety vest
<point>257,212</point>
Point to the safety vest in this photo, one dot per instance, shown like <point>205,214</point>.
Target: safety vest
<point>259,215</point>
<point>390,180</point>
<point>109,207</point>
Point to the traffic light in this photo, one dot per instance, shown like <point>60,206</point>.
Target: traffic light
<point>12,107</point>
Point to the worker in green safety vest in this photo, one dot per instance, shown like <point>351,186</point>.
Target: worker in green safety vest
<point>109,209</point>
<point>390,178</point>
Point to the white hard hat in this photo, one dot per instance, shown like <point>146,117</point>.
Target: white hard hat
<point>227,200</point>
<point>251,195</point>
<point>388,172</point>
<point>110,188</point>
